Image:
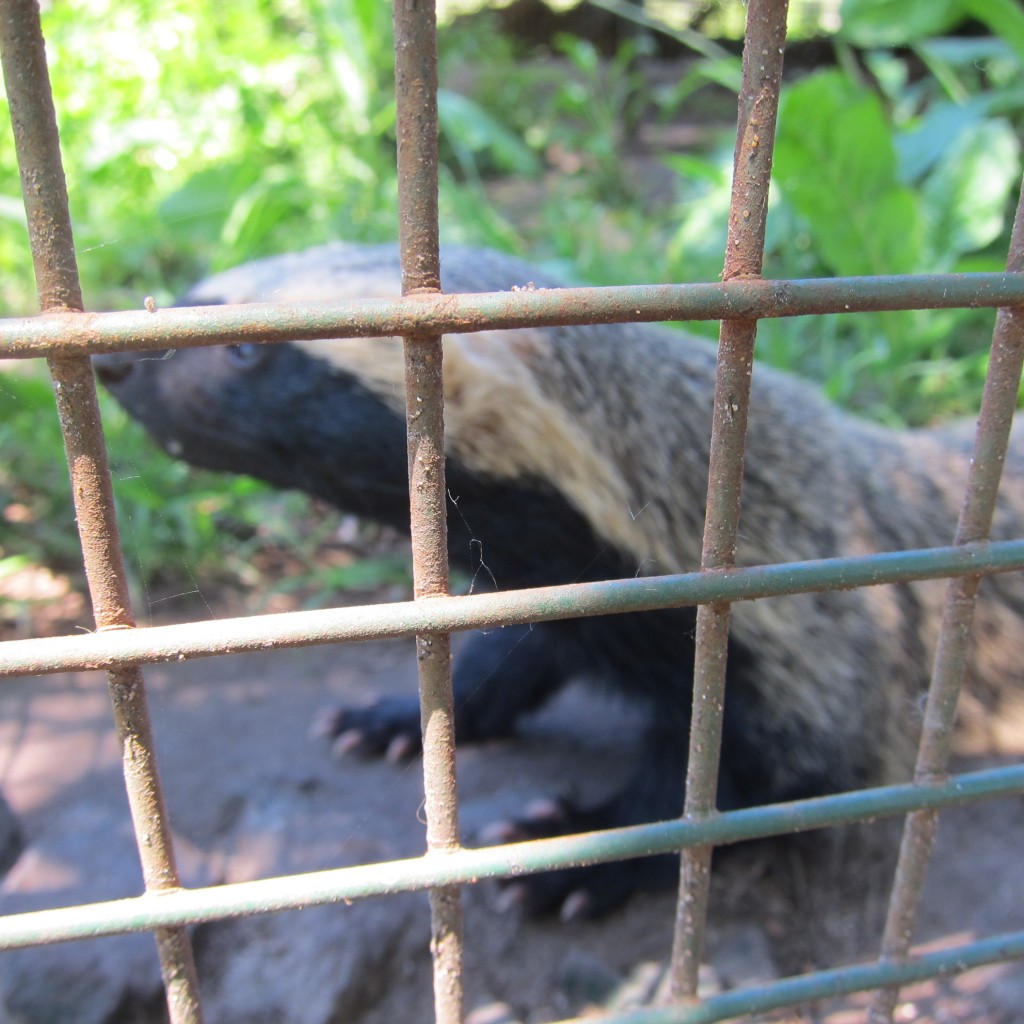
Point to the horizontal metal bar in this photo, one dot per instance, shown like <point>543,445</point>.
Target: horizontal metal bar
<point>64,333</point>
<point>839,981</point>
<point>187,906</point>
<point>152,644</point>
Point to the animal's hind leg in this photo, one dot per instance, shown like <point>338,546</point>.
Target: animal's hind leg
<point>500,675</point>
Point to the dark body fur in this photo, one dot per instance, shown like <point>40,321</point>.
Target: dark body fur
<point>581,454</point>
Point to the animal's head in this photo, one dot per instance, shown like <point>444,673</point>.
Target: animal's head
<point>327,417</point>
<point>324,417</point>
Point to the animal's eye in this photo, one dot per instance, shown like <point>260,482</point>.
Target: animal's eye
<point>244,354</point>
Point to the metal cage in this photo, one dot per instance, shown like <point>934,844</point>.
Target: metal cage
<point>66,337</point>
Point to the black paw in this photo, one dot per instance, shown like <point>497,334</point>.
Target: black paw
<point>572,893</point>
<point>390,726</point>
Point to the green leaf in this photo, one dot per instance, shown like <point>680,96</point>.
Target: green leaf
<point>471,130</point>
<point>874,23</point>
<point>921,148</point>
<point>965,197</point>
<point>892,231</point>
<point>1004,18</point>
<point>835,162</point>
<point>197,211</point>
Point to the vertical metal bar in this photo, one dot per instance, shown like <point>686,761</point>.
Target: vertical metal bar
<point>46,204</point>
<point>416,88</point>
<point>998,405</point>
<point>758,109</point>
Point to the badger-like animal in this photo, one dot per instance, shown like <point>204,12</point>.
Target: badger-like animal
<point>580,453</point>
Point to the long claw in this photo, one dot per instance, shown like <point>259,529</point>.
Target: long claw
<point>350,741</point>
<point>400,749</point>
<point>576,906</point>
<point>326,723</point>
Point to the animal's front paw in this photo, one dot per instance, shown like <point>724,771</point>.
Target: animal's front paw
<point>572,893</point>
<point>390,726</point>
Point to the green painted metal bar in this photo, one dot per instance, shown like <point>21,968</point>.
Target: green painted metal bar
<point>58,333</point>
<point>763,49</point>
<point>828,984</point>
<point>189,906</point>
<point>270,895</point>
<point>154,644</point>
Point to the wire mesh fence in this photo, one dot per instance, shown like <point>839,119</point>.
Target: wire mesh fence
<point>67,337</point>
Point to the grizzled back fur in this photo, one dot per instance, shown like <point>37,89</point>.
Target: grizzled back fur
<point>609,427</point>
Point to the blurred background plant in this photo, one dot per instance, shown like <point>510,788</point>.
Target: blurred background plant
<point>199,136</point>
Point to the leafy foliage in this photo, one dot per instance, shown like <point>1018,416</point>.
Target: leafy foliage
<point>913,175</point>
<point>196,137</point>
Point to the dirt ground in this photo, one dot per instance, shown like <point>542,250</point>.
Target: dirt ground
<point>250,795</point>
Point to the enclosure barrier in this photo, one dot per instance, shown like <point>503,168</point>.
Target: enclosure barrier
<point>240,899</point>
<point>153,644</point>
<point>66,336</point>
<point>59,333</point>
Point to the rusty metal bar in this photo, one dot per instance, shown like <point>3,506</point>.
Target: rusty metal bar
<point>755,138</point>
<point>998,405</point>
<point>42,175</point>
<point>269,895</point>
<point>416,126</point>
<point>153,644</point>
<point>58,333</point>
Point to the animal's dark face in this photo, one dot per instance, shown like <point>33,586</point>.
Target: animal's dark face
<point>270,411</point>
